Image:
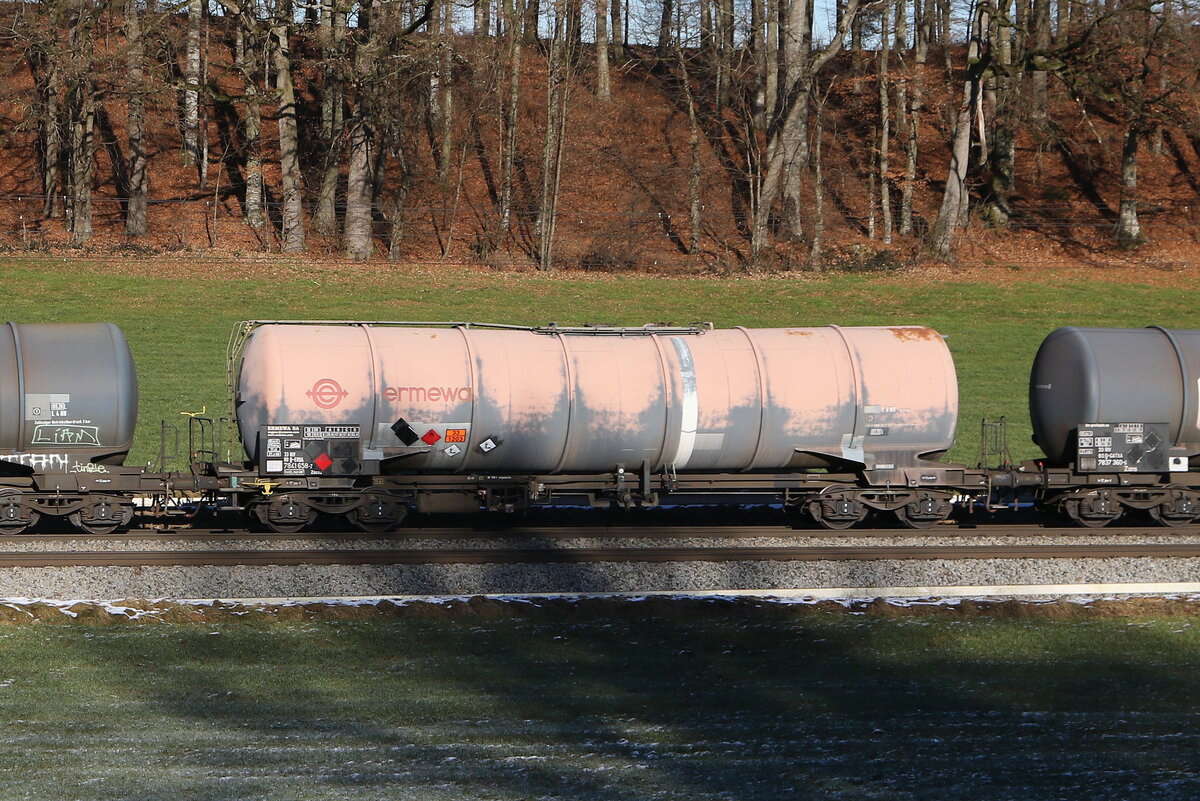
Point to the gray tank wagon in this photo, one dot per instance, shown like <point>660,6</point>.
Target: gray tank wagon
<point>68,407</point>
<point>1117,413</point>
<point>1083,375</point>
<point>68,396</point>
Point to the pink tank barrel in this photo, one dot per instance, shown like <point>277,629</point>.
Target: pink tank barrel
<point>549,400</point>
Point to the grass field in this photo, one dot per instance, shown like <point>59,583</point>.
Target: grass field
<point>178,327</point>
<point>713,705</point>
<point>709,705</point>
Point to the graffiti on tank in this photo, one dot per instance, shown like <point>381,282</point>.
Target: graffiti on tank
<point>39,461</point>
<point>59,434</point>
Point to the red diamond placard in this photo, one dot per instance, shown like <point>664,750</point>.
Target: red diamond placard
<point>430,437</point>
<point>323,462</point>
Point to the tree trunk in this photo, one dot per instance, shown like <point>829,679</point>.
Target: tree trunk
<point>724,22</point>
<point>333,35</point>
<point>923,20</point>
<point>955,197</point>
<point>508,140</point>
<point>695,204</point>
<point>1129,231</point>
<point>482,17</point>
<point>789,134</point>
<point>909,109</point>
<point>558,88</point>
<point>815,257</point>
<point>1002,155</point>
<point>797,52</point>
<point>48,81</point>
<point>357,231</point>
<point>191,91</point>
<point>532,11</point>
<point>81,108</point>
<point>885,116</point>
<point>359,242</point>
<point>771,63</point>
<point>248,66</point>
<point>1041,37</point>
<point>618,43</point>
<point>664,28</point>
<point>135,212</point>
<point>441,92</point>
<point>603,88</point>
<point>289,143</point>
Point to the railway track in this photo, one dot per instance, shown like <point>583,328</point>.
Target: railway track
<point>964,532</point>
<point>548,555</point>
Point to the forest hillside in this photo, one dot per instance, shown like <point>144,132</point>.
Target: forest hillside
<point>684,135</point>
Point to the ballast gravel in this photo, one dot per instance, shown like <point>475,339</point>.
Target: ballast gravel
<point>307,581</point>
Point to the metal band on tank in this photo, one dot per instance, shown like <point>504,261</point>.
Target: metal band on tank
<point>1189,397</point>
<point>562,340</point>
<point>366,329</point>
<point>462,329</point>
<point>849,451</point>
<point>20,361</point>
<point>690,411</point>
<point>762,395</point>
<point>668,390</point>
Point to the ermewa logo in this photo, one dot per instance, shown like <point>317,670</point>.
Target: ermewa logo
<point>422,394</point>
<point>326,393</point>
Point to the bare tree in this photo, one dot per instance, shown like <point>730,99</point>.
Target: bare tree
<point>509,113</point>
<point>955,198</point>
<point>195,151</point>
<point>289,135</point>
<point>603,89</point>
<point>787,139</point>
<point>139,177</point>
<point>38,30</point>
<point>333,37</point>
<point>376,82</point>
<point>558,89</point>
<point>81,113</point>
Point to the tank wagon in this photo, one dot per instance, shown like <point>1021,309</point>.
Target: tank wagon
<point>68,405</point>
<point>454,417</point>
<point>370,421</point>
<point>1117,413</point>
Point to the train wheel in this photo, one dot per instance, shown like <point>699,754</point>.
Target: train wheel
<point>20,526</point>
<point>910,519</point>
<point>1097,513</point>
<point>14,517</point>
<point>376,516</point>
<point>283,515</point>
<point>102,517</point>
<point>1168,514</point>
<point>925,512</point>
<point>837,514</point>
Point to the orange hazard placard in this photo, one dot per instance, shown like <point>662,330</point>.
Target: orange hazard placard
<point>456,435</point>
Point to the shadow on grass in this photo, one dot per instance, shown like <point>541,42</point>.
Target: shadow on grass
<point>669,699</point>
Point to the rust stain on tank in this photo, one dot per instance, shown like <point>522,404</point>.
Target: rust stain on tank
<point>914,333</point>
<point>800,332</point>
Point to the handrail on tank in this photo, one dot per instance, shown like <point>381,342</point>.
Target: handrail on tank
<point>247,326</point>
